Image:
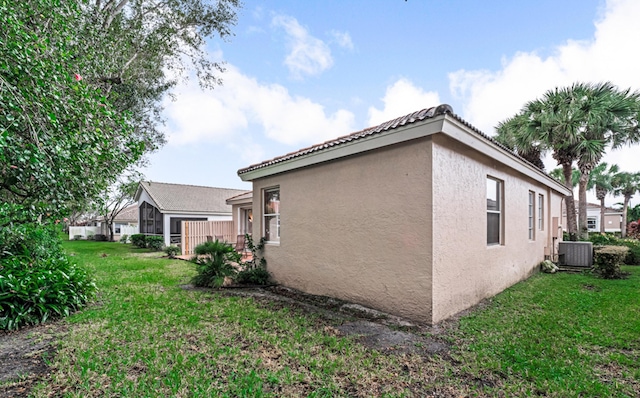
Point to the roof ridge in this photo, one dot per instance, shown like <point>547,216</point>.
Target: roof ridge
<point>191,185</point>
<point>410,118</point>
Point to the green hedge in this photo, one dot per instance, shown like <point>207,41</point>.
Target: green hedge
<point>607,260</point>
<point>37,280</point>
<point>633,255</point>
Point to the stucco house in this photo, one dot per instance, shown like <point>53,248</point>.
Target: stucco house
<point>422,216</point>
<point>125,223</point>
<point>242,210</point>
<point>163,207</point>
<point>612,218</point>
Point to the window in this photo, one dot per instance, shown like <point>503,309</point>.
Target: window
<point>494,211</point>
<point>541,212</point>
<point>591,223</point>
<point>271,225</point>
<point>532,197</point>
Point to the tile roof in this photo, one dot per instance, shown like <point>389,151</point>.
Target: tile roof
<point>129,213</point>
<point>246,196</point>
<point>189,198</point>
<point>411,118</point>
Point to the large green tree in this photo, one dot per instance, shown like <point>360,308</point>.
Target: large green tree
<point>577,124</point>
<point>81,84</point>
<point>626,185</point>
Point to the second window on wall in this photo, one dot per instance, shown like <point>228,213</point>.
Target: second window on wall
<point>271,222</point>
<point>532,198</point>
<point>494,211</point>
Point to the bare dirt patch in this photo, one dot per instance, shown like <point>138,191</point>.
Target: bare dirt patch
<point>23,356</point>
<point>374,329</point>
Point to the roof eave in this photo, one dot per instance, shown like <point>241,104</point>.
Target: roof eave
<point>397,135</point>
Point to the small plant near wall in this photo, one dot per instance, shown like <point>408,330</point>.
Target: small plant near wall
<point>77,237</point>
<point>254,271</point>
<point>214,262</point>
<point>172,251</point>
<point>124,238</point>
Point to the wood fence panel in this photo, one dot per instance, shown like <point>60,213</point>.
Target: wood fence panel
<point>196,232</point>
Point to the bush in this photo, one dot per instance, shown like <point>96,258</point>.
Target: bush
<point>607,260</point>
<point>154,242</point>
<point>254,272</point>
<point>633,255</point>
<point>172,251</point>
<point>90,236</point>
<point>124,238</point>
<point>100,238</point>
<point>38,281</point>
<point>253,276</point>
<point>214,264</point>
<point>139,240</point>
<point>77,237</point>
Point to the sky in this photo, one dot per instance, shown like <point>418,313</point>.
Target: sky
<point>302,72</point>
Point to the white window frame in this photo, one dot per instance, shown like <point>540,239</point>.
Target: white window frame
<point>532,215</point>
<point>541,212</point>
<point>499,211</point>
<point>266,215</point>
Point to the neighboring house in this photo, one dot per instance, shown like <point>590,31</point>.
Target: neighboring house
<point>125,223</point>
<point>612,218</point>
<point>422,216</point>
<point>164,206</point>
<point>242,209</point>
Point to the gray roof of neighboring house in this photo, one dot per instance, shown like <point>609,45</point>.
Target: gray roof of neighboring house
<point>411,118</point>
<point>129,213</point>
<point>188,198</point>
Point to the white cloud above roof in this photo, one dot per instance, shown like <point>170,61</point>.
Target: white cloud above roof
<point>308,55</point>
<point>227,111</point>
<point>401,98</point>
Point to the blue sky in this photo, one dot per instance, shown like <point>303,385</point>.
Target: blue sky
<point>301,72</point>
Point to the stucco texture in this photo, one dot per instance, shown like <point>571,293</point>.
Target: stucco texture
<point>466,269</point>
<point>357,228</point>
<point>403,228</point>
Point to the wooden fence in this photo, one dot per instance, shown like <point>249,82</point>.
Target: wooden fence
<point>196,232</point>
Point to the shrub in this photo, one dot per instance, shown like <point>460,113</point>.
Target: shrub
<point>172,251</point>
<point>633,255</point>
<point>38,281</point>
<point>90,236</point>
<point>100,237</point>
<point>253,276</point>
<point>124,238</point>
<point>77,237</point>
<point>254,271</point>
<point>154,243</point>
<point>139,240</point>
<point>607,260</point>
<point>214,264</point>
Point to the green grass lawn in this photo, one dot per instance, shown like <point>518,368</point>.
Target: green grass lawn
<point>553,335</point>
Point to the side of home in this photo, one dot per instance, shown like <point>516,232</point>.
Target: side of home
<point>422,216</point>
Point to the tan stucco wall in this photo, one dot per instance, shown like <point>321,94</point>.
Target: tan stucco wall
<point>358,228</point>
<point>466,269</point>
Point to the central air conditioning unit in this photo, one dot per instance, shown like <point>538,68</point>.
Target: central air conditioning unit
<point>575,254</point>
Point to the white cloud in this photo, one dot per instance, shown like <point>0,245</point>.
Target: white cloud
<point>308,55</point>
<point>491,96</point>
<point>401,98</point>
<point>229,110</point>
<point>343,39</point>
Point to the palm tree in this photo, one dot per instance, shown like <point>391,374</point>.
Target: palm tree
<point>626,185</point>
<point>601,181</point>
<point>609,118</point>
<point>577,124</point>
<point>558,175</point>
